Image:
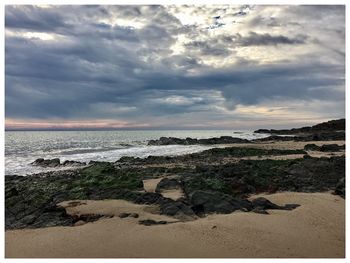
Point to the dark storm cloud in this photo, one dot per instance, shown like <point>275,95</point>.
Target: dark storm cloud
<point>99,67</point>
<point>34,18</point>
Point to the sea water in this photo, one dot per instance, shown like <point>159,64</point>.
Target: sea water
<point>23,147</point>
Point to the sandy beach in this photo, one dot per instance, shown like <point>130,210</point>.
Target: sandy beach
<point>315,229</point>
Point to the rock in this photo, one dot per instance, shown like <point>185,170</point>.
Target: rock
<point>52,216</point>
<point>175,208</point>
<point>11,192</point>
<point>134,215</point>
<point>150,222</point>
<point>330,126</point>
<point>124,215</point>
<point>73,163</point>
<point>331,148</point>
<point>89,217</point>
<point>340,188</point>
<point>47,163</point>
<point>167,184</point>
<point>319,136</point>
<point>306,156</point>
<point>290,206</point>
<point>126,159</point>
<point>38,161</point>
<point>148,198</point>
<point>206,202</point>
<point>191,141</point>
<point>262,203</point>
<point>311,147</point>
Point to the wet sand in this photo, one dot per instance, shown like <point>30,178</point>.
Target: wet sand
<point>315,229</point>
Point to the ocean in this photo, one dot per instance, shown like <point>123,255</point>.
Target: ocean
<point>23,147</point>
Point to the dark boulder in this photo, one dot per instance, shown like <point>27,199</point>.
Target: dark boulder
<point>167,184</point>
<point>73,163</point>
<point>311,147</point>
<point>331,148</point>
<point>263,203</point>
<point>340,188</point>
<point>175,208</point>
<point>148,198</point>
<point>47,163</point>
<point>206,202</point>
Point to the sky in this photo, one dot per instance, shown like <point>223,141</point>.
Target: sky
<point>173,66</point>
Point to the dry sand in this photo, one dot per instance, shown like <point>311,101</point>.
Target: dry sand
<point>315,229</point>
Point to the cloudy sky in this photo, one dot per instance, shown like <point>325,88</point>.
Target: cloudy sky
<point>183,67</point>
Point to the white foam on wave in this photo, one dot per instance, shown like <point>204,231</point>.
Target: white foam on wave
<point>21,165</point>
<point>22,148</point>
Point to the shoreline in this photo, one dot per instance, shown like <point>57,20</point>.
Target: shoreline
<point>242,200</point>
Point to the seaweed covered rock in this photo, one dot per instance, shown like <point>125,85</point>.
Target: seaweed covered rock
<point>311,147</point>
<point>191,141</point>
<point>324,148</point>
<point>332,148</point>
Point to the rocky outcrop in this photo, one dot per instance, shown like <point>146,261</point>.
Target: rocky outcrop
<point>324,148</point>
<point>332,148</point>
<point>207,202</point>
<point>55,163</point>
<point>209,186</point>
<point>47,163</point>
<point>323,128</point>
<point>191,141</point>
<point>311,147</point>
<point>319,136</point>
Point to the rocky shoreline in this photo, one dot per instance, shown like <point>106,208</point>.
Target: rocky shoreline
<point>218,180</point>
<point>327,131</point>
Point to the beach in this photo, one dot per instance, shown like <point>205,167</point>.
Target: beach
<point>250,199</point>
<point>316,229</point>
